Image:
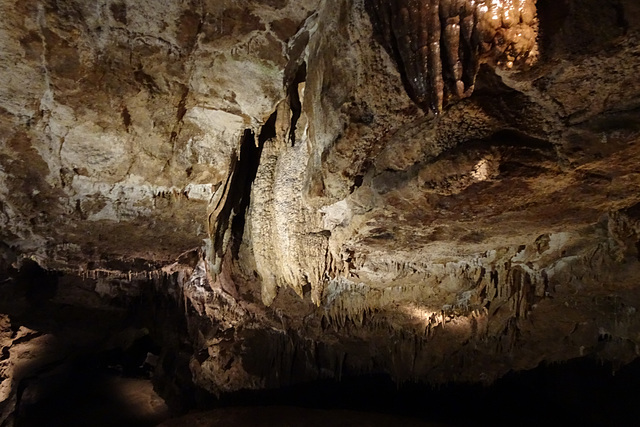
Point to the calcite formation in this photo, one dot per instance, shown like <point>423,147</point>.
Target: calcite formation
<point>439,44</point>
<point>265,185</point>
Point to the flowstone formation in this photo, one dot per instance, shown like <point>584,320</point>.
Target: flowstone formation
<point>439,44</point>
<point>264,185</point>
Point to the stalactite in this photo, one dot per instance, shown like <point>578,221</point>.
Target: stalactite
<point>439,44</point>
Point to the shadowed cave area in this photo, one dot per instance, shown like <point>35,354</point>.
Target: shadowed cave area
<point>90,385</point>
<point>319,212</point>
<point>108,369</point>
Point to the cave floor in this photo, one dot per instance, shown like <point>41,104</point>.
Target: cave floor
<point>579,392</point>
<point>99,400</point>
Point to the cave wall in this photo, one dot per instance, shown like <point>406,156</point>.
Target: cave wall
<point>307,219</point>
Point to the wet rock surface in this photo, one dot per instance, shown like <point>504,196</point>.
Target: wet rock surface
<point>250,184</point>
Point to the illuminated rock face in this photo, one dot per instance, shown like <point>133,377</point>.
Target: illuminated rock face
<point>261,166</point>
<point>439,44</point>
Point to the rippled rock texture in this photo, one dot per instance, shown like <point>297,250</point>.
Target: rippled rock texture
<point>268,173</point>
<point>463,32</point>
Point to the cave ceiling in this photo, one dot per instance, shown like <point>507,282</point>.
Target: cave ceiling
<point>438,190</point>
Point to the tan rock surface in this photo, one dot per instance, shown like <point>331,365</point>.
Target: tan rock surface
<point>262,164</point>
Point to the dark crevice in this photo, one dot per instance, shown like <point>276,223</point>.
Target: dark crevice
<point>119,12</point>
<point>357,183</point>
<point>182,109</point>
<point>621,19</point>
<point>180,113</point>
<point>126,118</point>
<point>240,166</point>
<point>244,168</point>
<point>267,132</point>
<point>146,80</point>
<point>39,284</point>
<point>294,101</point>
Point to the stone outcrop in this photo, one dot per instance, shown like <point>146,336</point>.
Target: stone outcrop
<point>258,170</point>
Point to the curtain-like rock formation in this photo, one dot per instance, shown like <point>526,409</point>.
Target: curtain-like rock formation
<point>262,172</point>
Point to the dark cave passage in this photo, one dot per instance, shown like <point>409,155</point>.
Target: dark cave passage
<point>579,392</point>
<point>123,380</point>
<point>84,396</point>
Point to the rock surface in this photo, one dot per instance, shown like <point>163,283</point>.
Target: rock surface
<point>258,170</point>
